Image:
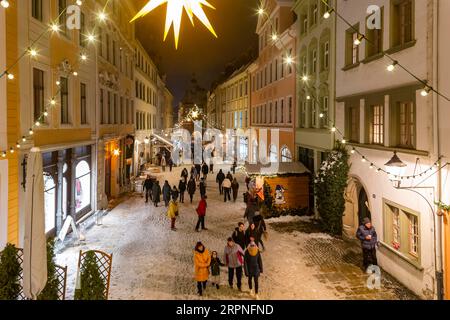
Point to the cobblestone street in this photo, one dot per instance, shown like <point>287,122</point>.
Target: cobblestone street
<point>152,262</point>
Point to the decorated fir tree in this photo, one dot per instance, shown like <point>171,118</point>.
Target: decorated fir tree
<point>329,188</point>
<point>9,273</point>
<point>92,285</point>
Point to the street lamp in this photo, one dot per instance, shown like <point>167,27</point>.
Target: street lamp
<point>395,168</point>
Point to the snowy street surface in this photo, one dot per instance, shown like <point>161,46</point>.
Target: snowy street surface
<point>152,262</point>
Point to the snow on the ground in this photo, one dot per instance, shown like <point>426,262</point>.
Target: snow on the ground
<point>152,262</point>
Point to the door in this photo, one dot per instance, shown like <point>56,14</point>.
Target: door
<point>108,177</point>
<point>363,206</point>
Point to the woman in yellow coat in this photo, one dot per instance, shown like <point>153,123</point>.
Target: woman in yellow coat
<point>202,261</point>
<point>172,213</point>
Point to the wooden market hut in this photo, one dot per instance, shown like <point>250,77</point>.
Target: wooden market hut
<point>294,177</point>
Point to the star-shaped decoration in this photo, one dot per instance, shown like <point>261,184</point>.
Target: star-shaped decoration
<point>175,12</point>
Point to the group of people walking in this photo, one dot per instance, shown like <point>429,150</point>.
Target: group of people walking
<point>227,184</point>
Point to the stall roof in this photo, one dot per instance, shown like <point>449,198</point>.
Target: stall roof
<point>276,168</point>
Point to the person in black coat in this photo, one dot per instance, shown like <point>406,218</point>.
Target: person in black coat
<point>148,188</point>
<point>205,170</point>
<point>156,193</point>
<point>239,235</point>
<point>235,188</point>
<point>253,267</point>
<point>191,188</point>
<point>198,168</point>
<point>182,189</point>
<point>175,193</point>
<point>185,175</point>
<point>203,187</point>
<point>219,179</point>
<point>261,228</point>
<point>369,240</point>
<point>167,192</point>
<point>251,234</point>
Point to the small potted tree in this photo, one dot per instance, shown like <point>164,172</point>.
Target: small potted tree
<point>9,273</point>
<point>90,283</point>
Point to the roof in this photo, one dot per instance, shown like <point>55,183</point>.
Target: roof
<point>276,168</point>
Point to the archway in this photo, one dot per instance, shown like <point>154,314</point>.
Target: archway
<point>357,206</point>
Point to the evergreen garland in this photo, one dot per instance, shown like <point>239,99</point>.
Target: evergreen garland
<point>50,291</point>
<point>329,188</point>
<point>93,286</point>
<point>9,273</point>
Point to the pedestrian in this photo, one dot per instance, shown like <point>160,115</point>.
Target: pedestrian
<point>191,188</point>
<point>252,208</point>
<point>253,267</point>
<point>235,187</point>
<point>211,166</point>
<point>227,190</point>
<point>368,236</point>
<point>233,168</point>
<point>170,164</point>
<point>202,261</point>
<point>251,234</point>
<point>182,189</point>
<point>201,212</point>
<point>219,179</point>
<point>156,193</point>
<point>163,163</point>
<point>215,269</point>
<point>229,176</point>
<point>234,259</point>
<point>205,170</point>
<point>185,175</point>
<point>166,192</point>
<point>261,230</point>
<point>247,181</point>
<point>147,188</point>
<point>175,193</point>
<point>239,235</point>
<point>194,173</point>
<point>198,169</point>
<point>173,213</point>
<point>203,187</point>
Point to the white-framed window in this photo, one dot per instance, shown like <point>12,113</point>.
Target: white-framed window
<point>314,61</point>
<point>326,55</point>
<point>286,155</point>
<point>273,154</point>
<point>82,186</point>
<point>325,112</point>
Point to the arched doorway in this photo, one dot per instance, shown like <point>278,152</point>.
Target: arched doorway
<point>357,207</point>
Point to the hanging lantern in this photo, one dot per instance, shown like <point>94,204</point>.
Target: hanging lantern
<point>396,169</point>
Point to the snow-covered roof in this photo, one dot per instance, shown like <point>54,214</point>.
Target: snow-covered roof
<point>276,168</point>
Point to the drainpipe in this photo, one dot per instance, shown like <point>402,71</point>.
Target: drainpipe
<point>437,148</point>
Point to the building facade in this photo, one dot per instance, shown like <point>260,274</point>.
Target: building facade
<point>315,60</point>
<point>383,110</point>
<point>116,111</point>
<point>3,135</point>
<point>273,82</point>
<point>146,97</point>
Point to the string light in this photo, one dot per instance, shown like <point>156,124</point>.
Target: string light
<point>391,67</point>
<point>4,4</point>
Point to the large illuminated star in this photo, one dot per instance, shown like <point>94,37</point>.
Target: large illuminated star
<point>175,12</point>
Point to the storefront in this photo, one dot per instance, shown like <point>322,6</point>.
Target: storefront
<point>67,185</point>
<point>118,166</point>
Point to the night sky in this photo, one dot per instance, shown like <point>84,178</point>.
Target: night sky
<point>199,51</point>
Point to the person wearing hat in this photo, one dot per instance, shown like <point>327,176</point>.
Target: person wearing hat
<point>202,261</point>
<point>368,236</point>
<point>253,267</point>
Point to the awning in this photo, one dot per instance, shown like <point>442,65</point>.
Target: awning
<point>276,168</point>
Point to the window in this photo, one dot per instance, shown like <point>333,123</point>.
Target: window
<point>402,231</point>
<point>110,110</point>
<point>313,115</point>
<point>82,186</point>
<point>326,56</point>
<point>38,93</point>
<point>314,61</point>
<point>108,49</point>
<point>374,43</point>
<point>114,53</point>
<point>402,22</point>
<point>406,125</point>
<point>276,69</point>
<point>304,65</point>
<point>304,20</point>
<point>324,111</point>
<point>351,49</point>
<point>82,33</point>
<point>282,111</point>
<point>49,202</point>
<point>62,4</point>
<point>36,10</point>
<point>103,117</point>
<point>270,112</point>
<point>353,123</point>
<point>377,125</point>
<point>100,42</point>
<point>64,100</point>
<point>116,109</point>
<point>290,65</point>
<point>290,110</point>
<point>276,112</point>
<point>286,155</point>
<point>273,155</point>
<point>303,114</point>
<point>83,103</point>
<point>314,14</point>
<point>122,111</point>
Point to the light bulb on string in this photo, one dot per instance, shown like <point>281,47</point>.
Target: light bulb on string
<point>3,154</point>
<point>425,91</point>
<point>358,40</point>
<point>9,75</point>
<point>17,145</point>
<point>391,67</point>
<point>32,52</point>
<point>327,14</point>
<point>30,132</point>
<point>4,3</point>
<point>79,2</point>
<point>353,151</point>
<point>24,139</point>
<point>11,150</point>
